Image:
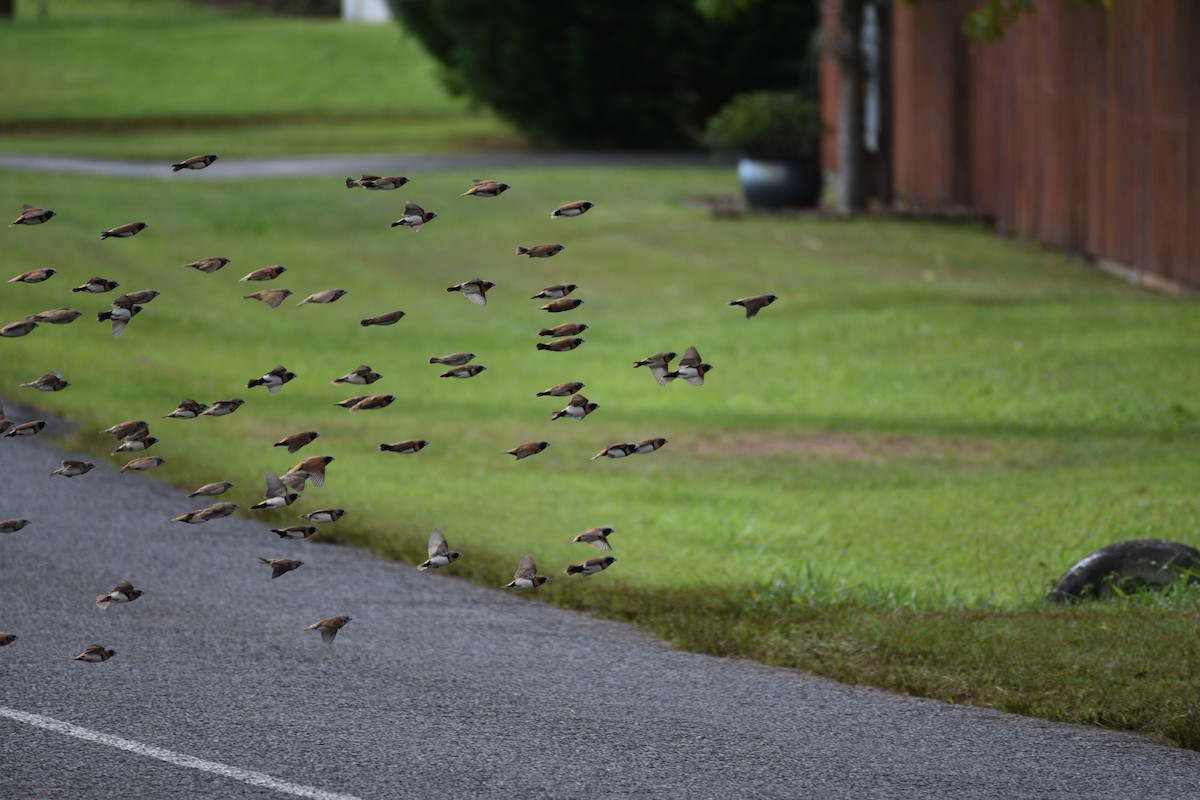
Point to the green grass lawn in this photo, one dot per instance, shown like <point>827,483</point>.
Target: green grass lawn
<point>881,478</point>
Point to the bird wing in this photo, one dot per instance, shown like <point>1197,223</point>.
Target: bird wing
<point>437,543</point>
<point>691,358</point>
<point>275,486</point>
<point>526,569</point>
<point>411,209</point>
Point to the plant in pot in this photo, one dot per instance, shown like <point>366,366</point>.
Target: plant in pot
<point>776,137</point>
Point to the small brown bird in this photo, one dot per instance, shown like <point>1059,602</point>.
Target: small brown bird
<point>649,445</point>
<point>754,304</point>
<point>618,450</point>
<point>201,515</point>
<point>566,329</point>
<point>452,360</point>
<point>562,389</point>
<point>195,162</point>
<point>295,531</point>
<point>577,408</point>
<point>390,318</point>
<point>324,515</point>
<point>7,638</point>
<point>376,182</point>
<point>372,402</point>
<point>273,380</point>
<point>562,304</point>
<point>541,250</point>
<point>361,375</point>
<point>528,449</point>
<point>95,653</point>
<point>465,371</point>
<point>123,430</point>
<point>294,480</point>
<point>280,566</point>
<point>140,297</point>
<point>297,440</point>
<point>14,329</point>
<point>327,296</point>
<point>526,576</point>
<point>25,429</point>
<point>659,364</point>
<point>315,467</point>
<point>264,273</point>
<point>591,566</point>
<point>123,592</point>
<point>350,402</point>
<point>135,444</point>
<point>572,209</point>
<point>272,297</point>
<point>120,315</point>
<point>124,231</point>
<point>556,291</point>
<point>474,290</point>
<point>144,463</point>
<point>276,495</point>
<point>212,489</point>
<point>35,276</point>
<point>12,525</point>
<point>50,382</point>
<point>223,408</point>
<point>691,368</point>
<point>208,265</point>
<point>96,285</point>
<point>406,447</point>
<point>596,537</point>
<point>328,627</point>
<point>561,345</point>
<point>58,316</point>
<point>72,469</point>
<point>414,217</point>
<point>486,189</point>
<point>32,215</point>
<point>440,554</point>
<point>187,409</point>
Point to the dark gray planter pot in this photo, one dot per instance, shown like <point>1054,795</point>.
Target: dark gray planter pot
<point>774,185</point>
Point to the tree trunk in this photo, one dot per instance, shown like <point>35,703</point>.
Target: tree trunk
<point>850,108</point>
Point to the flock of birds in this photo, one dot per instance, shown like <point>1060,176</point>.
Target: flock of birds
<point>283,490</point>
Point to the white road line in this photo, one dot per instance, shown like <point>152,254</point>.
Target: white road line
<point>171,757</point>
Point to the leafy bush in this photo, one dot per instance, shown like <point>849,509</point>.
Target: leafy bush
<point>778,126</point>
<point>619,73</point>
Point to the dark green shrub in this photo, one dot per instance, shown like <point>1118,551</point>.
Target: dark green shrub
<point>773,126</point>
<point>617,73</point>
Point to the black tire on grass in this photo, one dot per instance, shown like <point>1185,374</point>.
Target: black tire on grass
<point>1135,565</point>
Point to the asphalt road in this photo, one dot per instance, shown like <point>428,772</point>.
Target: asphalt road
<point>437,688</point>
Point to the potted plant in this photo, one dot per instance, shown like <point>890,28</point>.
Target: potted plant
<point>776,136</point>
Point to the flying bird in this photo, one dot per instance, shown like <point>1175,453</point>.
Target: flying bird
<point>208,265</point>
<point>691,368</point>
<point>140,297</point>
<point>566,329</point>
<point>440,554</point>
<point>414,217</point>
<point>754,304</point>
<point>264,274</point>
<point>295,531</point>
<point>541,250</point>
<point>123,430</point>
<point>350,402</point>
<point>135,444</point>
<point>144,463</point>
<point>315,467</point>
<point>649,445</point>
<point>556,291</point>
<point>35,276</point>
<point>561,345</point>
<point>58,316</point>
<point>526,576</point>
<point>578,408</point>
<point>124,231</point>
<point>272,297</point>
<point>562,389</point>
<point>372,402</point>
<point>195,162</point>
<point>328,628</point>
<point>96,285</point>
<point>187,409</point>
<point>465,371</point>
<point>32,215</point>
<point>123,310</point>
<point>123,592</point>
<point>562,304</point>
<point>528,449</point>
<point>327,296</point>
<point>73,469</point>
<point>14,329</point>
<point>377,182</point>
<point>273,380</point>
<point>390,318</point>
<point>324,515</point>
<point>212,489</point>
<point>95,653</point>
<point>211,512</point>
<point>297,440</point>
<point>50,382</point>
<point>360,376</point>
<point>223,408</point>
<point>406,447</point>
<point>486,189</point>
<point>452,360</point>
<point>572,209</point>
<point>7,638</point>
<point>12,525</point>
<point>474,290</point>
<point>596,537</point>
<point>25,429</point>
<point>276,495</point>
<point>618,450</point>
<point>281,566</point>
<point>659,364</point>
<point>591,566</point>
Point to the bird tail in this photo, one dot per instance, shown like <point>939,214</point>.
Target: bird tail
<point>522,251</point>
<point>255,382</point>
<point>543,346</point>
<point>386,448</point>
<point>423,567</point>
<point>102,602</point>
<point>79,289</point>
<point>574,568</point>
<point>351,183</point>
<point>558,414</point>
<point>183,517</point>
<point>103,316</point>
<point>176,167</point>
<point>366,323</point>
<point>104,235</point>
